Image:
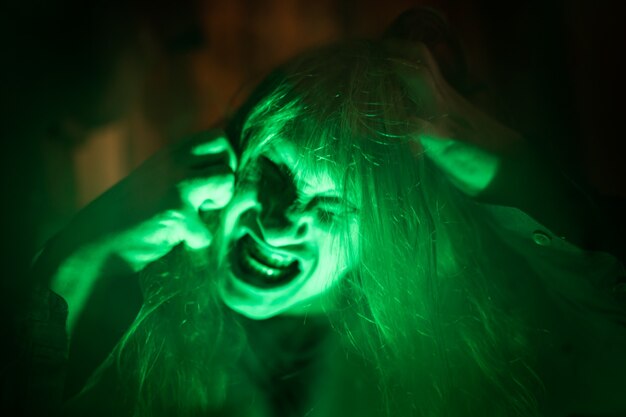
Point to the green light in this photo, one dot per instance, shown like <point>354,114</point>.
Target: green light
<point>405,267</point>
<point>215,146</point>
<point>470,168</point>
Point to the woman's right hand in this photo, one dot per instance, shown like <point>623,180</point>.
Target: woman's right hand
<point>142,218</point>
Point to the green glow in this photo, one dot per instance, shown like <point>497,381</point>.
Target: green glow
<point>76,279</point>
<point>208,186</point>
<point>210,193</point>
<point>215,146</point>
<point>292,214</point>
<point>468,167</point>
<point>436,307</point>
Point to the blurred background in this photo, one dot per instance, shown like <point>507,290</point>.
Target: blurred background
<point>91,88</point>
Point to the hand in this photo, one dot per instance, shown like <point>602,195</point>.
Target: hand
<point>465,143</point>
<point>170,194</point>
<point>486,159</point>
<point>157,207</point>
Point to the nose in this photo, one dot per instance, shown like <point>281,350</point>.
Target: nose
<point>283,225</point>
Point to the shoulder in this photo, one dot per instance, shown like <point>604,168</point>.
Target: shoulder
<point>561,264</point>
<point>584,334</point>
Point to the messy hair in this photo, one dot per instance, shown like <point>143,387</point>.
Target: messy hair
<point>425,306</point>
<point>427,324</point>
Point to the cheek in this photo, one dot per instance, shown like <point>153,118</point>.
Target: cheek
<point>334,256</point>
<point>355,242</point>
<point>242,202</point>
<point>341,244</point>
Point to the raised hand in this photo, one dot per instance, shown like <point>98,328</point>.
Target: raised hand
<point>158,206</point>
<point>465,143</point>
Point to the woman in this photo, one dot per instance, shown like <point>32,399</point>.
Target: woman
<point>343,260</point>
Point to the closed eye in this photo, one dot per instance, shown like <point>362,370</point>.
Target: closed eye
<point>326,216</point>
<point>334,204</point>
<point>277,171</point>
<point>330,208</point>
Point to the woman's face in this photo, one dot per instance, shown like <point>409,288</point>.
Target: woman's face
<point>282,248</point>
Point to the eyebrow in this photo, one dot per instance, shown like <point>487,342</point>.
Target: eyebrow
<point>284,171</point>
<point>287,174</point>
<point>280,169</point>
<point>332,200</point>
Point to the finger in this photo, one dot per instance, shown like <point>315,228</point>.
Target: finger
<point>415,53</point>
<point>211,148</point>
<point>420,86</point>
<point>151,240</point>
<point>198,138</point>
<point>211,192</point>
<point>196,235</point>
<point>470,168</point>
<point>156,237</point>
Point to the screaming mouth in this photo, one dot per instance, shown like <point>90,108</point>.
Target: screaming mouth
<point>260,265</point>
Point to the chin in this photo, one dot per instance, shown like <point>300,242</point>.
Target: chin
<point>264,267</point>
<point>261,281</point>
<point>249,302</point>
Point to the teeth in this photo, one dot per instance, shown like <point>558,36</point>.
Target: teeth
<point>267,256</point>
<point>261,266</point>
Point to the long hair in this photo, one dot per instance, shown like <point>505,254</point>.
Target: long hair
<point>427,324</point>
<point>425,307</point>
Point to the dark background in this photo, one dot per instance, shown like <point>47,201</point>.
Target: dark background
<point>91,88</point>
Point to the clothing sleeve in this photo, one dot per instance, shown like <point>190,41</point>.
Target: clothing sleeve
<point>37,373</point>
<point>575,271</point>
<point>529,181</point>
<point>47,368</point>
<point>610,225</point>
<point>579,296</point>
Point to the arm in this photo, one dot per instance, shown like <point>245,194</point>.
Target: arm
<point>493,163</point>
<point>140,219</point>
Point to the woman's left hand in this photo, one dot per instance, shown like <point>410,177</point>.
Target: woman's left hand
<point>482,157</point>
<point>464,142</point>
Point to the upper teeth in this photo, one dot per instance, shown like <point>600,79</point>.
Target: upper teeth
<point>261,268</point>
<point>269,256</point>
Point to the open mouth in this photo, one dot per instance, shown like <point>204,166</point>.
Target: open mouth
<point>261,265</point>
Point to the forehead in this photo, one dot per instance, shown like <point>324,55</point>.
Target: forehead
<point>312,174</point>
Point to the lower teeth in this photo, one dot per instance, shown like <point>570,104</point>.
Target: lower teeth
<point>261,269</point>
<point>255,270</point>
